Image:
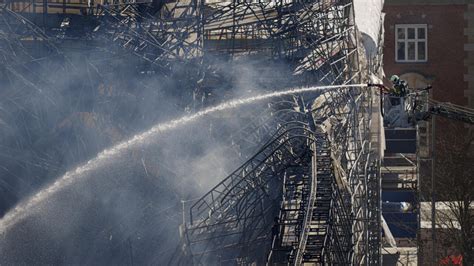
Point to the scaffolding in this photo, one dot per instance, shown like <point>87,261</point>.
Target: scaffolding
<point>161,33</point>
<point>316,39</point>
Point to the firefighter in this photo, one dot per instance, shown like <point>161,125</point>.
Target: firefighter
<point>399,88</point>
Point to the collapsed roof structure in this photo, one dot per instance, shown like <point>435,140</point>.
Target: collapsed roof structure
<point>308,189</point>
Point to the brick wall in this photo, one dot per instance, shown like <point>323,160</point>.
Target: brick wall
<point>445,68</point>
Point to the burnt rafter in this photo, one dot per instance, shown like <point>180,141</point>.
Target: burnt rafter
<point>313,34</point>
<point>238,213</point>
<point>160,33</point>
<point>18,61</point>
<point>265,125</point>
<point>309,189</point>
<point>307,196</point>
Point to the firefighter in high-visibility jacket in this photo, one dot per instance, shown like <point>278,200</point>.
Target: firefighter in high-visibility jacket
<point>399,86</point>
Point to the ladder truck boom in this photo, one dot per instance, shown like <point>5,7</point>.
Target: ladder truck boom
<point>451,111</point>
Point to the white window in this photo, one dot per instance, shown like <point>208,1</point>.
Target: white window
<point>411,43</point>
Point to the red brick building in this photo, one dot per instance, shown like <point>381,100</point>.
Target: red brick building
<point>427,38</point>
<point>432,42</point>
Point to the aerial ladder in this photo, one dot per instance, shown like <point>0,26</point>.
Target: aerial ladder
<point>450,111</point>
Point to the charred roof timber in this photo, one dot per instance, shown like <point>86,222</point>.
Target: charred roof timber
<point>309,190</point>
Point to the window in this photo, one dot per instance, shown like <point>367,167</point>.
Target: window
<point>411,43</point>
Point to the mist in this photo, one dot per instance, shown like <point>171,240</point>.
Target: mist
<point>128,210</point>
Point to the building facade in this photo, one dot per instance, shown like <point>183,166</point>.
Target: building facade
<point>432,42</point>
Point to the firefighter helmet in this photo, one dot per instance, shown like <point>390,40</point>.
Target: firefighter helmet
<point>394,78</point>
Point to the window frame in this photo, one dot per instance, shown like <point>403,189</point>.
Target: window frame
<point>406,40</point>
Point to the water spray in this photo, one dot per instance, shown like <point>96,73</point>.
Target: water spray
<point>24,208</point>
